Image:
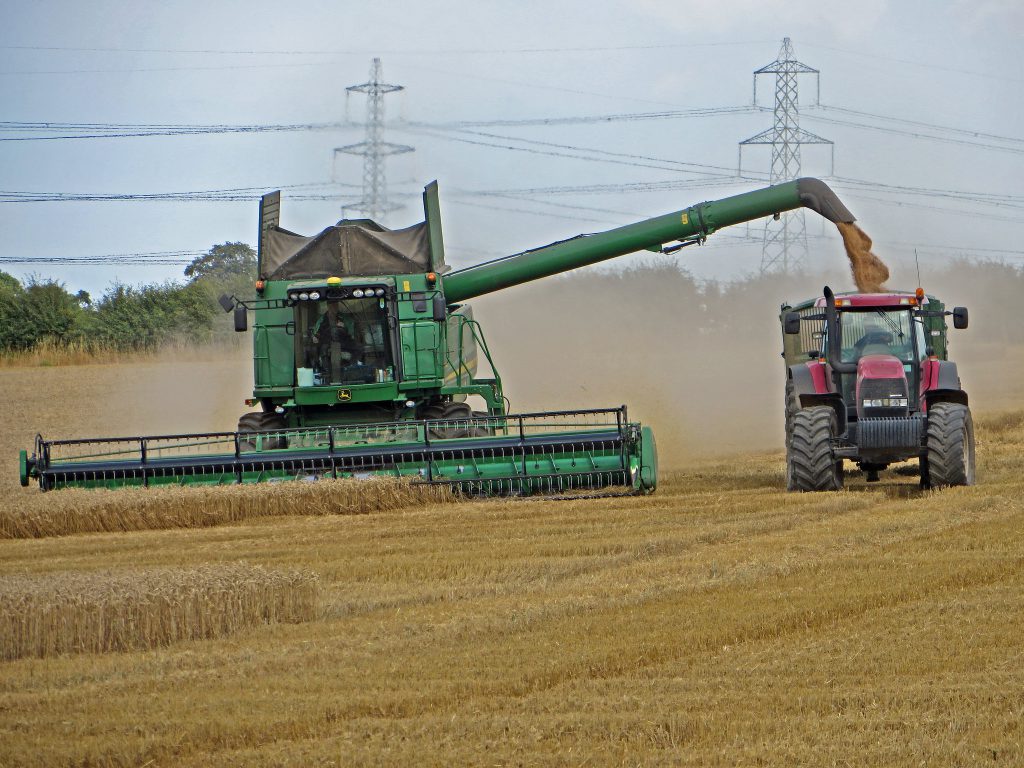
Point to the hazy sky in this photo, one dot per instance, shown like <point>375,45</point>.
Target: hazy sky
<point>918,69</point>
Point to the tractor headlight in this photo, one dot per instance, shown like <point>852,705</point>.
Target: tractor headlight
<point>357,293</point>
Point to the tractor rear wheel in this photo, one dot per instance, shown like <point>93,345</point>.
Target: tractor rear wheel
<point>810,465</point>
<point>258,421</point>
<point>950,446</point>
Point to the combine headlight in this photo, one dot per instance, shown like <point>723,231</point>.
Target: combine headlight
<point>303,296</point>
<point>314,295</point>
<point>357,293</point>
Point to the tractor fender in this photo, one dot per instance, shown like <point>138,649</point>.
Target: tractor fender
<point>810,379</point>
<point>941,383</point>
<point>811,386</point>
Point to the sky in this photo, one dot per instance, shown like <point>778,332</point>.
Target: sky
<point>923,101</point>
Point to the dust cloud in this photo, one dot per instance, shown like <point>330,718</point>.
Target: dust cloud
<point>702,363</point>
<point>869,272</point>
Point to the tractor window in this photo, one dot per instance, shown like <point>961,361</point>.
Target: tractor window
<point>878,332</point>
<point>345,341</point>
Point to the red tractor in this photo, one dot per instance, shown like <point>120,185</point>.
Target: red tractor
<point>868,380</point>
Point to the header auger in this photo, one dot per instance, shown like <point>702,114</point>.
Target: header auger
<point>365,363</point>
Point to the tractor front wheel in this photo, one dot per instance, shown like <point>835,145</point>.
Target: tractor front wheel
<point>810,464</point>
<point>950,446</point>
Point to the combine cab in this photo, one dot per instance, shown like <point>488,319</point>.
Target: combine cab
<point>868,380</point>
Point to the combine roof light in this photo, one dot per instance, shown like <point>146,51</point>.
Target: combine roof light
<point>358,293</point>
<point>380,291</point>
<point>314,295</point>
<point>293,296</point>
<point>303,296</point>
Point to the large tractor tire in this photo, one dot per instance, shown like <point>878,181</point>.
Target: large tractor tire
<point>950,447</point>
<point>258,421</point>
<point>810,465</point>
<point>449,411</point>
<point>792,406</point>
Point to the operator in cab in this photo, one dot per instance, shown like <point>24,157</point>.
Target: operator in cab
<point>877,340</point>
<point>336,346</point>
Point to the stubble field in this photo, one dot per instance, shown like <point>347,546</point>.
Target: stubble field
<point>721,621</point>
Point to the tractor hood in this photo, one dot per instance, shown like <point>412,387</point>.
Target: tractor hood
<point>881,387</point>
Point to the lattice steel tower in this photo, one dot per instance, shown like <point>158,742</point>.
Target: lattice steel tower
<point>374,149</point>
<point>784,247</point>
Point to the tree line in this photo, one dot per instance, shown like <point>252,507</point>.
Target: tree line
<point>125,317</point>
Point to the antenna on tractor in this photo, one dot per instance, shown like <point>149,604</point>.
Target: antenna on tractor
<point>917,263</point>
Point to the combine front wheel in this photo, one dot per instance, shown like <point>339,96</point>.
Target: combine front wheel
<point>810,465</point>
<point>258,421</point>
<point>950,456</point>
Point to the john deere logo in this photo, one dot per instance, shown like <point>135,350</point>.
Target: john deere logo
<point>344,395</point>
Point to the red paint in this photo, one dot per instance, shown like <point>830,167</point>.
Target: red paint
<point>821,376</point>
<point>929,379</point>
<point>878,367</point>
<point>871,300</point>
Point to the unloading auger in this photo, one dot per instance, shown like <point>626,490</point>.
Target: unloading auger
<point>365,363</point>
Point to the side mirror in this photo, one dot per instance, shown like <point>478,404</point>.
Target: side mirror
<point>791,323</point>
<point>226,302</point>
<point>959,317</point>
<point>241,319</point>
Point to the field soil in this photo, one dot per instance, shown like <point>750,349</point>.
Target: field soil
<point>721,621</point>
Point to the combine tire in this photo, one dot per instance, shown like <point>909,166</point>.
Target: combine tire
<point>258,421</point>
<point>452,412</point>
<point>810,465</point>
<point>950,446</point>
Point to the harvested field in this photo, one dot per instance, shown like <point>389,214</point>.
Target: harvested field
<point>93,612</point>
<point>719,622</point>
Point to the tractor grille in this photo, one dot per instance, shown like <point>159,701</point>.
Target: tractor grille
<point>884,397</point>
<point>886,433</point>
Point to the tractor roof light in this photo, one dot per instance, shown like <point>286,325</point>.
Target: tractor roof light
<point>919,293</point>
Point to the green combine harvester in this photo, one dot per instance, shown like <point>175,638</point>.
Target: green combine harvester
<point>365,361</point>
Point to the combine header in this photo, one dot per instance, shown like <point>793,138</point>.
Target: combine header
<point>365,363</point>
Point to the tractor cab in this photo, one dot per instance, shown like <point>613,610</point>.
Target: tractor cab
<point>884,337</point>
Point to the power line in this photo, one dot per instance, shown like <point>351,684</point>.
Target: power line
<point>397,51</point>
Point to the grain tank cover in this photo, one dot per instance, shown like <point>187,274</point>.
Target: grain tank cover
<point>359,247</point>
